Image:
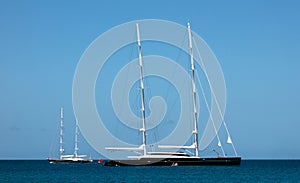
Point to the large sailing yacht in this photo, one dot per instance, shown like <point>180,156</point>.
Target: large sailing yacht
<point>170,158</point>
<point>73,158</point>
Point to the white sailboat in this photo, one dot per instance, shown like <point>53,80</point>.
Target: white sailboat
<point>73,158</point>
<point>170,158</point>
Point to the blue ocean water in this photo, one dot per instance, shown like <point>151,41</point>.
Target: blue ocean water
<point>248,171</point>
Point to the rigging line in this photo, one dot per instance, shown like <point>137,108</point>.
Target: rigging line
<point>148,96</point>
<point>156,134</point>
<point>147,88</point>
<point>214,96</point>
<point>128,71</point>
<point>207,150</point>
<point>191,104</point>
<point>172,105</point>
<point>136,100</point>
<point>188,151</point>
<point>177,60</point>
<point>122,104</point>
<point>210,115</point>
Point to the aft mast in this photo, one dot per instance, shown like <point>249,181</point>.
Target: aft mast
<point>61,149</point>
<point>143,129</point>
<point>76,140</point>
<point>195,131</point>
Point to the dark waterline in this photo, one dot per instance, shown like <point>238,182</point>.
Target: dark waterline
<point>248,171</point>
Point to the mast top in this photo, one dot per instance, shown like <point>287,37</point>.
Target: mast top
<point>61,112</point>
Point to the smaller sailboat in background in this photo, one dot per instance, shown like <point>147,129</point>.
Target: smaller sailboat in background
<point>73,158</point>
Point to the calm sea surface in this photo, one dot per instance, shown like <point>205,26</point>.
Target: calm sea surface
<point>249,171</point>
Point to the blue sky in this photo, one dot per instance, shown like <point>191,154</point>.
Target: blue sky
<point>256,43</point>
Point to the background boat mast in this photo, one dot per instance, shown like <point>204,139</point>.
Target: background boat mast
<point>76,140</point>
<point>61,149</point>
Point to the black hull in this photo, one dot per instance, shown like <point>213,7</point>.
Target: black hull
<point>58,161</point>
<point>223,161</point>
